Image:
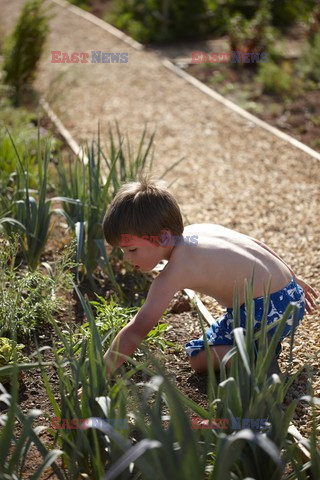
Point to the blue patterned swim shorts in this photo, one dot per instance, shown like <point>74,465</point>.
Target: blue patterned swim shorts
<point>220,332</point>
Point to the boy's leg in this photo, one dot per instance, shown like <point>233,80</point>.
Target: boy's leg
<point>199,362</point>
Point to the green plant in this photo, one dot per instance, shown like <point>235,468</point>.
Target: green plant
<point>283,12</point>
<point>19,122</point>
<point>92,187</point>
<point>84,4</point>
<point>29,214</point>
<point>23,128</point>
<point>288,12</point>
<point>24,47</point>
<point>111,317</point>
<point>254,35</point>
<point>274,79</point>
<point>15,449</point>
<point>309,64</point>
<point>10,352</point>
<point>29,299</point>
<point>161,435</point>
<point>161,20</point>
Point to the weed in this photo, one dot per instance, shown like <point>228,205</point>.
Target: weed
<point>29,299</point>
<point>274,79</point>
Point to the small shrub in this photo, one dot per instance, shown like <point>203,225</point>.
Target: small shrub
<point>29,299</point>
<point>161,20</point>
<point>255,35</point>
<point>23,48</point>
<point>309,63</point>
<point>288,12</point>
<point>275,80</point>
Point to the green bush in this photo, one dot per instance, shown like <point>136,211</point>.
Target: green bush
<point>254,35</point>
<point>21,123</point>
<point>161,20</point>
<point>23,48</point>
<point>274,79</point>
<point>171,20</point>
<point>309,63</point>
<point>29,299</point>
<point>283,12</point>
<point>288,12</point>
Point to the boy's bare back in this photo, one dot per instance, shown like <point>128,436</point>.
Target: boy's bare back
<point>223,259</point>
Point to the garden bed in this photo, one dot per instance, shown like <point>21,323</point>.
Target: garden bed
<point>184,325</point>
<point>276,205</point>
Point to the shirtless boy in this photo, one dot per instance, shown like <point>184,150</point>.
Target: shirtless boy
<point>145,221</point>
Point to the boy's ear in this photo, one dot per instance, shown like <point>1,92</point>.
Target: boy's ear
<point>165,238</point>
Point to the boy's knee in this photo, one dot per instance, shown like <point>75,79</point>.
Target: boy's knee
<point>199,362</point>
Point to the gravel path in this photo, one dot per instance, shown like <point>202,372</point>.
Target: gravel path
<point>232,172</point>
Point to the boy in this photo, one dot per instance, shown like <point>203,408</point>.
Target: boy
<point>145,221</point>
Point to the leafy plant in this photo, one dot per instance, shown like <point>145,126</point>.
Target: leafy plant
<point>309,64</point>
<point>274,79</point>
<point>10,352</point>
<point>29,299</point>
<point>161,20</point>
<point>24,47</point>
<point>111,317</point>
<point>254,35</point>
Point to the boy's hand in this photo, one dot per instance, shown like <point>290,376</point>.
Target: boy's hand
<point>309,293</point>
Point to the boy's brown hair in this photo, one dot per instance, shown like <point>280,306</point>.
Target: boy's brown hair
<point>142,208</point>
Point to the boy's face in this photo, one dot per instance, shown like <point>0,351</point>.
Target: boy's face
<point>142,254</point>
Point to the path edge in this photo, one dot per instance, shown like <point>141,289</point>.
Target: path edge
<point>190,79</point>
<point>239,110</point>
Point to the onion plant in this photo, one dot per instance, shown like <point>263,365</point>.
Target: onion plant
<point>14,448</point>
<point>30,212</point>
<point>92,186</point>
<point>161,436</point>
<point>162,440</point>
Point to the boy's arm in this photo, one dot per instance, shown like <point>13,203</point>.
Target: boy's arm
<point>129,338</point>
<point>310,293</point>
